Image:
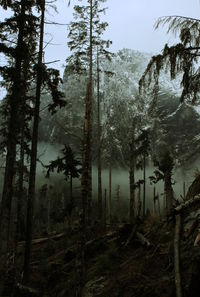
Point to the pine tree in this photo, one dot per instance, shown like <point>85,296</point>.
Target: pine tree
<point>68,165</point>
<point>31,191</point>
<point>49,78</point>
<point>99,161</point>
<point>85,34</point>
<point>22,26</point>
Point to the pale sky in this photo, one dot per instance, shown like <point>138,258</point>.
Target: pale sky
<point>130,25</point>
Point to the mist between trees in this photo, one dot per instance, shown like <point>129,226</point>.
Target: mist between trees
<point>120,181</point>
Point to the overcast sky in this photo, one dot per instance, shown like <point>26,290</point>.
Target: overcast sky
<point>130,24</point>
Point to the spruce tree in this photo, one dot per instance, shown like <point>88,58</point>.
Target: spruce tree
<point>22,26</point>
<point>49,79</point>
<point>85,34</point>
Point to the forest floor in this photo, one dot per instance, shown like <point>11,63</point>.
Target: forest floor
<point>115,266</point>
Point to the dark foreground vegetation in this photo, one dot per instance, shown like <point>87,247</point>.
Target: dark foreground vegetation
<point>118,263</point>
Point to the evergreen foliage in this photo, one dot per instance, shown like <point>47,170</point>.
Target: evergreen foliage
<point>182,58</point>
<point>66,164</point>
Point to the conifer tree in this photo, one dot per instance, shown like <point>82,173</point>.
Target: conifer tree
<point>180,59</point>
<point>22,26</point>
<point>49,79</point>
<point>85,34</point>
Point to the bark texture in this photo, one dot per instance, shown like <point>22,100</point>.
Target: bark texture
<point>177,256</point>
<point>32,175</point>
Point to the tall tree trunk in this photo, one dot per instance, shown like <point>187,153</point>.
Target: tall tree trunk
<point>177,271</point>
<point>86,180</point>
<point>132,177</point>
<point>168,192</point>
<point>184,191</point>
<point>99,143</point>
<point>144,185</point>
<point>105,208</point>
<point>20,183</point>
<point>71,190</point>
<point>139,201</point>
<point>32,175</point>
<point>154,201</point>
<point>159,212</point>
<point>71,201</point>
<point>110,195</point>
<point>13,130</point>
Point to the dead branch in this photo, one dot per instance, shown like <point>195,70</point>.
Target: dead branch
<point>27,291</point>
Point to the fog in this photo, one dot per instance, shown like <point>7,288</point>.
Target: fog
<point>120,177</point>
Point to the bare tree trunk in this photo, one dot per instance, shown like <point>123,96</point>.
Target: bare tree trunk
<point>20,183</point>
<point>87,150</point>
<point>154,200</point>
<point>99,143</point>
<point>132,177</point>
<point>71,201</point>
<point>20,188</point>
<point>71,189</point>
<point>105,208</point>
<point>86,179</point>
<point>32,175</point>
<point>177,256</point>
<point>184,191</point>
<point>110,195</point>
<point>144,185</point>
<point>168,191</point>
<point>48,214</point>
<point>159,212</point>
<point>139,201</point>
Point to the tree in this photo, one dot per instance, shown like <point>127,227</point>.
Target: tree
<point>99,163</point>
<point>85,35</point>
<point>31,190</point>
<point>68,166</point>
<point>165,165</point>
<point>48,78</point>
<point>21,26</point>
<point>142,153</point>
<point>132,211</point>
<point>181,59</point>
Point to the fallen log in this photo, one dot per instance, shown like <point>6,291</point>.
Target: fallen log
<point>194,188</point>
<point>142,239</point>
<point>25,291</point>
<point>139,236</point>
<point>187,204</point>
<point>44,239</point>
